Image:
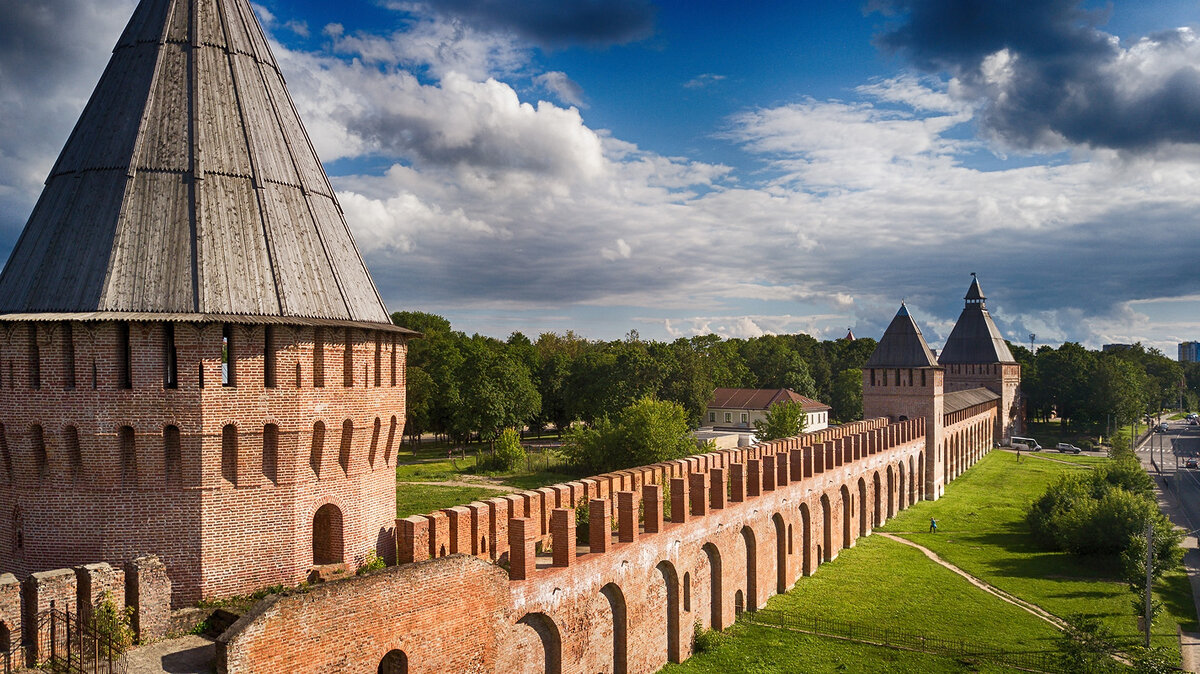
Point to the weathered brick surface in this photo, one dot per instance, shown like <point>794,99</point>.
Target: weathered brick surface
<point>11,618</point>
<point>148,593</point>
<point>82,503</point>
<point>97,583</point>
<point>42,591</point>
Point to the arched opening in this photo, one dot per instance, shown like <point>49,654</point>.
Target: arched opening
<point>715,619</point>
<point>318,448</point>
<point>878,514</point>
<point>616,602</point>
<point>327,535</point>
<point>125,441</point>
<point>347,443</point>
<point>751,568</point>
<point>805,540</point>
<point>912,482</point>
<point>687,591</point>
<point>229,452</point>
<point>548,633</point>
<point>780,554</point>
<point>791,547</point>
<point>739,602</point>
<point>74,453</point>
<point>172,455</point>
<point>671,579</point>
<point>891,487</point>
<point>862,507</point>
<point>270,455</point>
<point>847,531</point>
<point>826,530</point>
<point>374,440</point>
<point>395,662</point>
<point>921,483</point>
<point>900,502</point>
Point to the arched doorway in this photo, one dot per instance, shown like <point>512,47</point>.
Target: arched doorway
<point>616,602</point>
<point>716,619</point>
<point>862,507</point>
<point>826,529</point>
<point>548,633</point>
<point>922,486</point>
<point>891,487</point>
<point>806,540</point>
<point>875,488</point>
<point>327,535</point>
<point>780,554</point>
<point>900,502</point>
<point>847,521</point>
<point>395,662</point>
<point>671,579</point>
<point>912,482</point>
<point>751,568</point>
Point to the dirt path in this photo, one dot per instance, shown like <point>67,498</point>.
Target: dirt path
<point>1033,609</point>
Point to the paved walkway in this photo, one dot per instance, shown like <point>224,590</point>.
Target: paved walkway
<point>191,654</point>
<point>1033,609</point>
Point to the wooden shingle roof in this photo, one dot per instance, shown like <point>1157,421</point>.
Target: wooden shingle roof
<point>189,186</point>
<point>902,345</point>
<point>975,337</point>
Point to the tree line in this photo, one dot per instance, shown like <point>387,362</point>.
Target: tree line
<point>1089,390</point>
<point>475,386</point>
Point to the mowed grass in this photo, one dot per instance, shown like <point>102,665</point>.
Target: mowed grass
<point>1069,458</point>
<point>982,529</point>
<point>414,498</point>
<point>881,583</point>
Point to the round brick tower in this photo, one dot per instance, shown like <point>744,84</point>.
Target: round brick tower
<point>194,359</point>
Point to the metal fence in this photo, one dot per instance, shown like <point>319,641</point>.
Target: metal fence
<point>68,645</point>
<point>964,649</point>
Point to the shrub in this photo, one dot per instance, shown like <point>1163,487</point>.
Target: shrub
<point>510,455</point>
<point>646,432</point>
<point>706,641</point>
<point>372,562</point>
<point>115,624</point>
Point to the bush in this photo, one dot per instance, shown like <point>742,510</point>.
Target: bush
<point>706,641</point>
<point>510,455</point>
<point>115,624</point>
<point>646,432</point>
<point>373,562</point>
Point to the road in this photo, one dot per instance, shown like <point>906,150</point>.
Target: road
<point>1165,456</point>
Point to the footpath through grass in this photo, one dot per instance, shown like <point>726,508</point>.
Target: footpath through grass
<point>982,530</point>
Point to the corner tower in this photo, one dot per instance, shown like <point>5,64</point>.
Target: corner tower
<point>194,359</point>
<point>902,380</point>
<point>976,355</point>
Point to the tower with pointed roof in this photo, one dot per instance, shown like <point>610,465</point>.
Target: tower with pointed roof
<point>902,380</point>
<point>977,356</point>
<point>194,359</point>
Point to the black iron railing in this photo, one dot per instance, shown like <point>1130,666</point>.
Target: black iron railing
<point>68,645</point>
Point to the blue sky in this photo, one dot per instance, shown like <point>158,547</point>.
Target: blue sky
<point>740,168</point>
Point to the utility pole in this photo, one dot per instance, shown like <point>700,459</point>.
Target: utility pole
<point>1032,337</point>
<point>1149,576</point>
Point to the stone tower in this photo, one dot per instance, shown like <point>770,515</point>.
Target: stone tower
<point>902,380</point>
<point>977,356</point>
<point>194,359</point>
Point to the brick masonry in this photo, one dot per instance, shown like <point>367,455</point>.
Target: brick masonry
<point>224,517</point>
<point>624,602</point>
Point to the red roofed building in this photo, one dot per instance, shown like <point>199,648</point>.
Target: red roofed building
<point>741,407</point>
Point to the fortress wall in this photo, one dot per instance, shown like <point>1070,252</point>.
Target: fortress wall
<point>736,535</point>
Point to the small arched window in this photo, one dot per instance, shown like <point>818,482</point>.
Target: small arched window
<point>348,358</point>
<point>318,448</point>
<point>229,453</point>
<point>347,443</point>
<point>395,662</point>
<point>270,457</point>
<point>318,357</point>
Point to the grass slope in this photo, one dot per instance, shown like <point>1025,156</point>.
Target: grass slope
<point>981,529</point>
<point>414,498</point>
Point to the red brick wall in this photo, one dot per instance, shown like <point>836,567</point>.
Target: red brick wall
<point>662,582</point>
<point>216,537</point>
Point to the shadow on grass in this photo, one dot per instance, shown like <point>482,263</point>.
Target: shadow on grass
<point>1175,590</point>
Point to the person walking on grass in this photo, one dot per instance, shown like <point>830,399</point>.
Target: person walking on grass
<point>932,526</point>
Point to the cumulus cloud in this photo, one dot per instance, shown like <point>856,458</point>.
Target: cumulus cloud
<point>567,90</point>
<point>558,23</point>
<point>1046,76</point>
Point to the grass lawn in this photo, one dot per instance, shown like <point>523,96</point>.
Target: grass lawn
<point>414,498</point>
<point>884,583</point>
<point>981,524</point>
<point>1069,458</point>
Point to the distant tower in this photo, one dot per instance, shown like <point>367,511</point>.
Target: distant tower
<point>194,360</point>
<point>902,380</point>
<point>977,356</point>
<point>849,335</point>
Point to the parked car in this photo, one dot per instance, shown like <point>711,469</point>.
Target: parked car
<point>1162,428</point>
<point>1024,444</point>
<point>1067,448</point>
<point>1191,463</point>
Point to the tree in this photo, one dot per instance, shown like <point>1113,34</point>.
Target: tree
<point>784,419</point>
<point>496,392</point>
<point>648,431</point>
<point>846,399</point>
<point>775,364</point>
<point>1086,646</point>
<point>418,402</point>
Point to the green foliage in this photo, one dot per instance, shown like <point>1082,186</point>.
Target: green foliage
<point>372,562</point>
<point>846,396</point>
<point>648,431</point>
<point>1086,646</point>
<point>113,623</point>
<point>1153,660</point>
<point>1095,513</point>
<point>784,419</point>
<point>509,454</point>
<point>705,641</point>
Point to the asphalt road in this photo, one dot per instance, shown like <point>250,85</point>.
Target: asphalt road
<point>1165,455</point>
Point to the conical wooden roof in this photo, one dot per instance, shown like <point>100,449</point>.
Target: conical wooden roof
<point>902,345</point>
<point>975,338</point>
<point>189,186</point>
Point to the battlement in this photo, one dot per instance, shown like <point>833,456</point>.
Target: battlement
<point>141,584</point>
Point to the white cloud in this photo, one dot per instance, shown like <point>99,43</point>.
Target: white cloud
<point>567,90</point>
<point>703,80</point>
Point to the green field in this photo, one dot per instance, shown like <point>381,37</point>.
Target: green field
<point>413,498</point>
<point>981,530</point>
